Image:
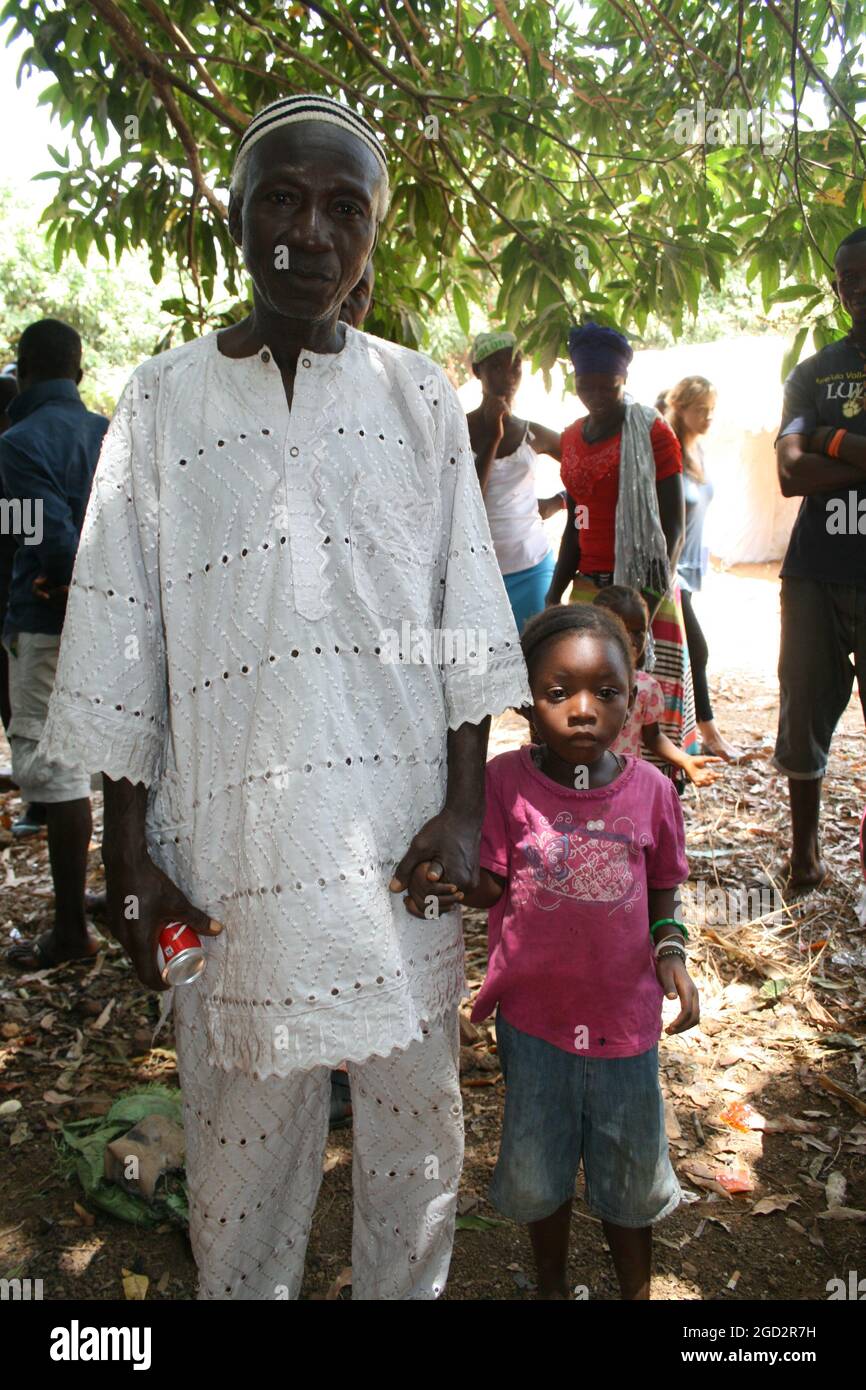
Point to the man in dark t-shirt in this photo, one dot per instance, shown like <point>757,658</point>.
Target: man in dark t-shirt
<point>821,457</point>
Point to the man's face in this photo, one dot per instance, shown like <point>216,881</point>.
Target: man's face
<point>310,197</point>
<point>850,282</point>
<point>356,305</point>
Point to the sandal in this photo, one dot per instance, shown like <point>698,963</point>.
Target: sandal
<point>38,954</point>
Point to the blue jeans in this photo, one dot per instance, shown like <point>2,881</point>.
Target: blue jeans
<point>561,1107</point>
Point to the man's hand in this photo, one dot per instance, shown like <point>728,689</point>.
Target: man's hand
<point>141,900</point>
<point>427,887</point>
<point>675,980</point>
<point>54,595</point>
<point>450,843</point>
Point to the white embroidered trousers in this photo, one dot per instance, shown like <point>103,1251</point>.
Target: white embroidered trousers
<point>254,1153</point>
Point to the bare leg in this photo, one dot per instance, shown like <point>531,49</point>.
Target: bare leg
<point>69,827</point>
<point>806,865</point>
<point>631,1248</point>
<point>549,1239</point>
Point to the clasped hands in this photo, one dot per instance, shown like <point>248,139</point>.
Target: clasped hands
<point>441,862</point>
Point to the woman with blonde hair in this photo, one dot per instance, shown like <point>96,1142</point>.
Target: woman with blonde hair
<point>688,407</point>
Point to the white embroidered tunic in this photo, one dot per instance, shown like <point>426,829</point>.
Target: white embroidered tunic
<point>242,573</point>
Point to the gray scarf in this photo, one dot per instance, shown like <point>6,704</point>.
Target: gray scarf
<point>640,548</point>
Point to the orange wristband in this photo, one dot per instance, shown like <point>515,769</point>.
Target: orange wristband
<point>835,443</point>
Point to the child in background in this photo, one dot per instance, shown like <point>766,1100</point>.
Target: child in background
<point>583,945</point>
<point>641,729</point>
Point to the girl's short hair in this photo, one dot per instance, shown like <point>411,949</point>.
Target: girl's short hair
<point>563,618</point>
<point>622,600</point>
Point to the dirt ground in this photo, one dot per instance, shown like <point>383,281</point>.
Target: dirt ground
<point>783,1032</point>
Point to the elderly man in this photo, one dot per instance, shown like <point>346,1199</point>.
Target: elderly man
<point>287,588</point>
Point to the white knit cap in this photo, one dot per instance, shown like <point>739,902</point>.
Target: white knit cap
<point>307,107</point>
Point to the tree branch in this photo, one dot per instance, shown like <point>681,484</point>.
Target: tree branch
<point>161,17</point>
<point>526,49</point>
<point>855,127</point>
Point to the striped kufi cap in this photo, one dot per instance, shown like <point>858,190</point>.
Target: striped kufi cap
<point>288,110</point>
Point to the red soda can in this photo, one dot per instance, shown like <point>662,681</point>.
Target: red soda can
<point>179,956</point>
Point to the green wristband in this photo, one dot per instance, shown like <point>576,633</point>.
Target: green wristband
<point>668,922</point>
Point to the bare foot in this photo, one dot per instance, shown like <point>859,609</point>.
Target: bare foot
<point>713,743</point>
<point>784,876</point>
<point>44,952</point>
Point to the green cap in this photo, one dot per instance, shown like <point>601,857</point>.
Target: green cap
<point>487,343</point>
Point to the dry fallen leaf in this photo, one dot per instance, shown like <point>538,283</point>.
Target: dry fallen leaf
<point>104,1016</point>
<point>134,1285</point>
<point>55,1098</point>
<point>86,1217</point>
<point>842,1214</point>
<point>828,1084</point>
<point>781,1202</point>
<point>672,1124</point>
<point>789,1124</point>
<point>342,1281</point>
<point>818,1012</point>
<point>835,1188</point>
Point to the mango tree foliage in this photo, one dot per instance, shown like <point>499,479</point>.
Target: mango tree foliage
<point>550,162</point>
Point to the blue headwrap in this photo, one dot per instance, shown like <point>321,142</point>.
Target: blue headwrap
<point>594,348</point>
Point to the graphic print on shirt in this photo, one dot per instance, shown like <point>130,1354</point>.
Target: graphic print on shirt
<point>573,860</point>
<point>847,387</point>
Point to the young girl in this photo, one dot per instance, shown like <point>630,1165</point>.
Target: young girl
<point>583,945</point>
<point>641,728</point>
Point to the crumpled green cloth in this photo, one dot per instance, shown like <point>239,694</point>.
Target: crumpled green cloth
<point>82,1149</point>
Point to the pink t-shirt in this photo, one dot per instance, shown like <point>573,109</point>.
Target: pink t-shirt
<point>648,708</point>
<point>570,958</point>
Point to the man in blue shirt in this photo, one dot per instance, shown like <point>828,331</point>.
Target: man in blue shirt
<point>47,460</point>
<point>821,457</point>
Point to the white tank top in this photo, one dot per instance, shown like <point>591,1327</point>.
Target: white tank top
<point>519,538</point>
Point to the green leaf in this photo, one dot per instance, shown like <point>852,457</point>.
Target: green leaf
<point>792,354</point>
<point>477,1223</point>
<point>774,989</point>
<point>789,292</point>
<point>461,308</point>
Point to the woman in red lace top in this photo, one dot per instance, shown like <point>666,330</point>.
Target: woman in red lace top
<point>626,532</point>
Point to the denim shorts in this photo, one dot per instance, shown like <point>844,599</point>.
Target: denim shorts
<point>560,1108</point>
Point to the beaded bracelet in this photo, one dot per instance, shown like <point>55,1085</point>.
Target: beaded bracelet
<point>668,922</point>
<point>670,943</point>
